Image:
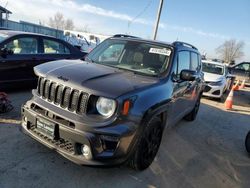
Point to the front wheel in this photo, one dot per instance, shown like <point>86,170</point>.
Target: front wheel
<point>247,142</point>
<point>148,145</point>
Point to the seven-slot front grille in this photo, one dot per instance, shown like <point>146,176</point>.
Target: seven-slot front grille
<point>72,99</point>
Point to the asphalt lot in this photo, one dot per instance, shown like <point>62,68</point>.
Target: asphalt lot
<point>208,152</point>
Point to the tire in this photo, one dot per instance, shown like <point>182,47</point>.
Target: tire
<point>192,115</point>
<point>221,99</point>
<point>148,145</point>
<point>247,142</point>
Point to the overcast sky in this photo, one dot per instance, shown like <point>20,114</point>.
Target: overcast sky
<point>206,24</point>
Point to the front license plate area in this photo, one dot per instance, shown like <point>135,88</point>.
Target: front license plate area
<point>46,127</point>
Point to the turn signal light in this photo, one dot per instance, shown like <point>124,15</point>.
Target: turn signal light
<point>126,106</point>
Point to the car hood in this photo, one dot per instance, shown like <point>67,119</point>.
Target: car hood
<point>209,77</point>
<point>94,78</point>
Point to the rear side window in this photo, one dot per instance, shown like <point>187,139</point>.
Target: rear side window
<point>25,45</point>
<point>54,47</point>
<point>183,61</point>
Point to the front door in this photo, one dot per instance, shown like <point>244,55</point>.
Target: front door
<point>18,67</point>
<point>182,90</point>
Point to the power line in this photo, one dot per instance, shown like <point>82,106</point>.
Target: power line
<point>140,13</point>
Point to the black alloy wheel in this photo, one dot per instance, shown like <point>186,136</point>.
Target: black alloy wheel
<point>247,142</point>
<point>148,145</point>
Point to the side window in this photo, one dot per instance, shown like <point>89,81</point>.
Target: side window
<point>194,61</point>
<point>112,53</point>
<point>226,70</point>
<point>247,67</point>
<point>239,67</point>
<point>243,66</point>
<point>54,47</point>
<point>25,45</point>
<point>183,61</point>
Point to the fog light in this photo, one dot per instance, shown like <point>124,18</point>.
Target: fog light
<point>24,122</point>
<point>86,151</point>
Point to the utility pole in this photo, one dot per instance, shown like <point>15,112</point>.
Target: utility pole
<point>157,20</point>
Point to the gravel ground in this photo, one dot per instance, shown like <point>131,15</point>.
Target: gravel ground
<point>208,152</point>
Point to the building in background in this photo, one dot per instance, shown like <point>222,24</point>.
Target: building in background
<point>5,23</point>
<point>4,15</point>
<point>83,40</point>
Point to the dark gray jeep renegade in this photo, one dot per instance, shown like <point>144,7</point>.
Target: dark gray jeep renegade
<point>112,107</point>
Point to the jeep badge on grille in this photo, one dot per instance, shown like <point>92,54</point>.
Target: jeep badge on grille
<point>62,78</point>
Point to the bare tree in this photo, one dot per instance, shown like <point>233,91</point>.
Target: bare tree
<point>230,50</point>
<point>58,22</point>
<point>69,24</point>
<point>85,28</point>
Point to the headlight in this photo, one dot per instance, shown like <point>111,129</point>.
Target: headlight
<point>105,107</point>
<point>219,83</point>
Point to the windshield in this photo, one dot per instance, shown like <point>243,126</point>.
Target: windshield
<point>212,68</point>
<point>3,37</point>
<point>134,56</point>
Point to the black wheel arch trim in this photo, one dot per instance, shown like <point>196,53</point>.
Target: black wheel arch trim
<point>155,110</point>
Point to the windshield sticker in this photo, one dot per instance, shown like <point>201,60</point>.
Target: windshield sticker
<point>162,51</point>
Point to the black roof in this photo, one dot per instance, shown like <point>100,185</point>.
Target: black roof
<point>11,33</point>
<point>133,38</point>
<point>179,44</point>
<point>2,9</point>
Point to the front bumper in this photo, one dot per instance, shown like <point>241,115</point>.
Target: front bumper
<point>105,149</point>
<point>213,91</point>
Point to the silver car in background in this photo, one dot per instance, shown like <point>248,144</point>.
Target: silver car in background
<point>216,77</point>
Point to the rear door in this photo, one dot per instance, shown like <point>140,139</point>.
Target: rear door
<point>193,88</point>
<point>53,49</point>
<point>18,67</point>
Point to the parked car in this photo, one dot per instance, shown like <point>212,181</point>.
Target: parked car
<point>216,77</point>
<point>21,51</point>
<point>241,71</point>
<point>113,107</point>
<point>247,142</point>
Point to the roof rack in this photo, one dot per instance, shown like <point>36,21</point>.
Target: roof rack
<point>125,36</point>
<point>177,43</point>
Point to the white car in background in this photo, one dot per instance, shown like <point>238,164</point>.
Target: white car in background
<point>216,79</point>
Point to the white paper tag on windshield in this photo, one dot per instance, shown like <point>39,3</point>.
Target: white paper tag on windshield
<point>162,51</point>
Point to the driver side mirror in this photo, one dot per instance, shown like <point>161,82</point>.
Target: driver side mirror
<point>4,52</point>
<point>188,75</point>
